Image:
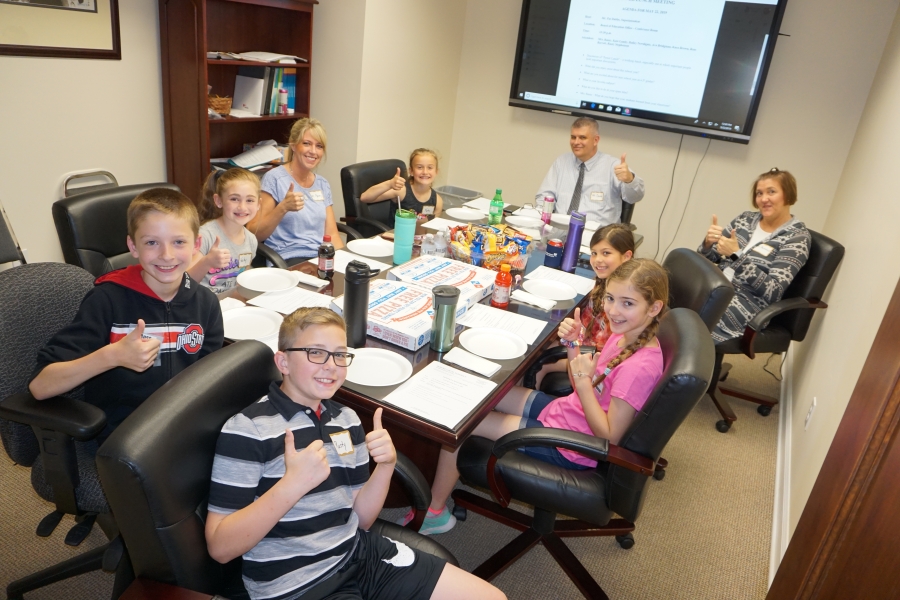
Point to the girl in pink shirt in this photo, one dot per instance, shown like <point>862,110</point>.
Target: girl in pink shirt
<point>610,247</point>
<point>611,386</point>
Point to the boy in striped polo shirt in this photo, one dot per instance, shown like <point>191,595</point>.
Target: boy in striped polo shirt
<point>292,494</point>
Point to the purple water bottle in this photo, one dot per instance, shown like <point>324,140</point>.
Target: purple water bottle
<point>572,249</point>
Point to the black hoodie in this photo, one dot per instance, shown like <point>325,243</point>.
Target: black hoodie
<point>189,327</point>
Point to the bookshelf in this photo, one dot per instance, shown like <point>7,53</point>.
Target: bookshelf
<point>188,30</point>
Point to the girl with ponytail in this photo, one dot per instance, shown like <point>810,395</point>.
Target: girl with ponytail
<point>611,385</point>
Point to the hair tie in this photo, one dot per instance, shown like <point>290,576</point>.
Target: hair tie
<point>774,170</point>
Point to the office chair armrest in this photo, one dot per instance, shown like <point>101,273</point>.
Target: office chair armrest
<point>590,446</point>
<point>364,221</point>
<point>763,317</point>
<point>416,487</point>
<point>80,420</point>
<point>352,234</point>
<point>270,255</point>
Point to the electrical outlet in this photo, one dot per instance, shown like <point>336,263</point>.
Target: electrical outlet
<point>812,408</point>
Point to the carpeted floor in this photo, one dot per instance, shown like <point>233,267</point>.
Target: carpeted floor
<point>704,532</point>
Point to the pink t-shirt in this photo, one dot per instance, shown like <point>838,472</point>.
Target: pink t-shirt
<point>631,381</point>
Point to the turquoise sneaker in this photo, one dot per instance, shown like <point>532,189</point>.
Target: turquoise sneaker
<point>435,522</point>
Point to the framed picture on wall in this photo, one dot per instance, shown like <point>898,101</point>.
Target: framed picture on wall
<point>60,28</point>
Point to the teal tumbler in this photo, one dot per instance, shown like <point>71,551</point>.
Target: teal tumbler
<point>404,232</point>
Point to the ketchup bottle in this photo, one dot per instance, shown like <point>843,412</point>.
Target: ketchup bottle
<point>502,284</point>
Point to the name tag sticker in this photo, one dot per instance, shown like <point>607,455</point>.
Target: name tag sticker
<point>763,249</point>
<point>244,260</point>
<point>728,272</point>
<point>342,443</point>
<point>427,210</point>
<point>596,196</point>
<point>317,195</point>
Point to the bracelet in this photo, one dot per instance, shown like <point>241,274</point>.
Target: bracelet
<point>568,344</point>
<point>577,375</point>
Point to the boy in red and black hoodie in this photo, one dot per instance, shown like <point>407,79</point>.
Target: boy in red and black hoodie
<point>141,325</point>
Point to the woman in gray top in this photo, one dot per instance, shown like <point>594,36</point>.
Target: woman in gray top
<point>760,252</point>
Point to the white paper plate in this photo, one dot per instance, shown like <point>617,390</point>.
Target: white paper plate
<point>492,343</point>
<point>371,247</point>
<point>520,221</point>
<point>561,220</point>
<point>547,288</point>
<point>268,280</point>
<point>466,214</point>
<point>376,366</point>
<point>251,322</point>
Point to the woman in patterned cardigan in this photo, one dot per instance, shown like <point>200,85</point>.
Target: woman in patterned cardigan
<point>760,252</point>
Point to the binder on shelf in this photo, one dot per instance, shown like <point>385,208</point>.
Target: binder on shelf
<point>267,93</point>
<point>249,90</point>
<point>290,83</point>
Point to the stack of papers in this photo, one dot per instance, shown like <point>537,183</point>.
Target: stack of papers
<point>256,57</point>
<point>582,285</point>
<point>441,394</point>
<point>483,204</point>
<point>480,315</point>
<point>287,301</point>
<point>439,224</point>
<point>342,258</point>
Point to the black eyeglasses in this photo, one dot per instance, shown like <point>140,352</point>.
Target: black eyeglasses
<point>320,357</point>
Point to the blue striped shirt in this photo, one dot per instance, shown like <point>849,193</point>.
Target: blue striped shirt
<point>318,534</point>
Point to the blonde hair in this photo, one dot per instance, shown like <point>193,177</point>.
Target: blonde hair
<point>299,129</point>
<point>652,282</point>
<point>785,180</point>
<point>421,152</point>
<point>216,183</point>
<point>618,236</point>
<point>165,201</point>
<point>302,318</point>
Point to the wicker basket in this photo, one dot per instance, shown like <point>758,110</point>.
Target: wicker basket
<point>219,104</point>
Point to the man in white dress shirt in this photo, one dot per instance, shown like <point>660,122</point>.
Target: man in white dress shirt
<point>588,181</point>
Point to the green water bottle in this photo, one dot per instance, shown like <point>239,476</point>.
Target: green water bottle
<point>496,214</point>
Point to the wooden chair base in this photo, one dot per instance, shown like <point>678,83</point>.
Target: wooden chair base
<point>546,529</point>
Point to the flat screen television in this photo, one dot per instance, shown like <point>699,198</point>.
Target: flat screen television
<point>690,66</point>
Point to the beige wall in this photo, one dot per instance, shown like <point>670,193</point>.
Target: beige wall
<point>384,79</point>
<point>63,115</point>
<point>864,218</point>
<point>814,96</point>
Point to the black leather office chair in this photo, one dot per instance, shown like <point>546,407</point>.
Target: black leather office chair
<point>156,468</point>
<point>593,496</point>
<point>53,436</point>
<point>10,251</point>
<point>777,325</point>
<point>627,212</point>
<point>369,219</point>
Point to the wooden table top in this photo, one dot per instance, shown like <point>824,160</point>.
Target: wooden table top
<point>366,399</point>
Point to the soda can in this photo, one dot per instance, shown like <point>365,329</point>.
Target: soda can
<point>547,209</point>
<point>554,254</point>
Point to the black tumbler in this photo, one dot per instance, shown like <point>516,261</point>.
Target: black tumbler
<point>356,301</point>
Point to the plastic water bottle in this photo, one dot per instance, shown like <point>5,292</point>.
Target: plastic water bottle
<point>440,245</point>
<point>326,259</point>
<point>502,285</point>
<point>428,245</point>
<point>496,214</point>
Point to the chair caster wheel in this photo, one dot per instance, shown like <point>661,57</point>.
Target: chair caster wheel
<point>626,541</point>
<point>659,474</point>
<point>723,426</point>
<point>460,512</point>
<point>764,410</point>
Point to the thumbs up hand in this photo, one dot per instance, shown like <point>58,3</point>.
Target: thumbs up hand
<point>713,234</point>
<point>379,443</point>
<point>727,246</point>
<point>218,258</point>
<point>570,329</point>
<point>398,183</point>
<point>623,173</point>
<point>293,201</point>
<point>136,352</point>
<point>306,468</point>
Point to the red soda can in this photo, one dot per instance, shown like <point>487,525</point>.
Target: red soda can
<point>554,254</point>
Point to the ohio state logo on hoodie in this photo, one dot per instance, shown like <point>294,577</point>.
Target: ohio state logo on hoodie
<point>191,340</point>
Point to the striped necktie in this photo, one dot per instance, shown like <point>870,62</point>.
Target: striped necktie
<point>576,195</point>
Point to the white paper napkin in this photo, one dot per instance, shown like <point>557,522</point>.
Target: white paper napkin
<point>471,362</point>
<point>229,303</point>
<point>528,298</point>
<point>310,280</point>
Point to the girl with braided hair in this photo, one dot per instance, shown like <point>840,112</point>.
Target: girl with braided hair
<point>610,247</point>
<point>611,385</point>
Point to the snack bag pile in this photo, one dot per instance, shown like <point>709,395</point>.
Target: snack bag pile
<point>490,246</point>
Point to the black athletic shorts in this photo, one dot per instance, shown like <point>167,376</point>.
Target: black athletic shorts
<point>381,569</point>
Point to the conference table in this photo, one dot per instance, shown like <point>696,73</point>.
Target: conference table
<point>420,439</point>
